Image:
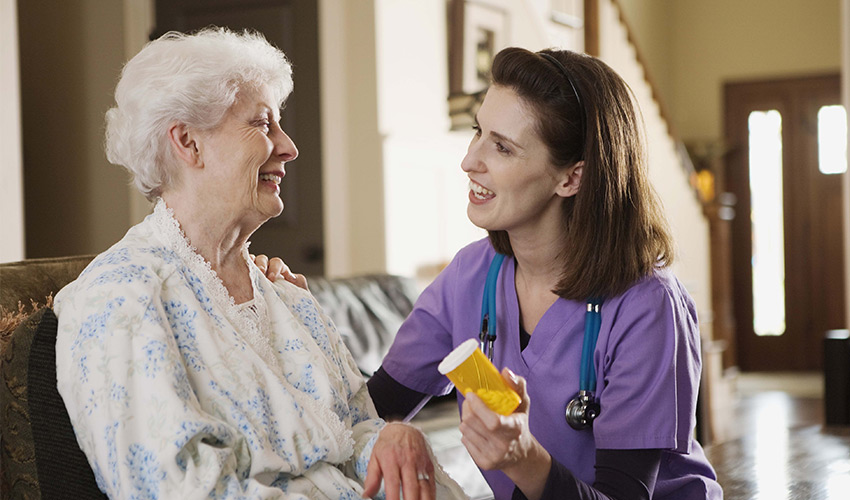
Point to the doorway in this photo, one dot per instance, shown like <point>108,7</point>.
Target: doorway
<point>787,248</point>
<point>297,235</point>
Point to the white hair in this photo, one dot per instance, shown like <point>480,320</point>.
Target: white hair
<point>189,79</point>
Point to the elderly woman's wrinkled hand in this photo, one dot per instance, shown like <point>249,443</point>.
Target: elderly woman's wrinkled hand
<point>275,268</point>
<point>401,457</point>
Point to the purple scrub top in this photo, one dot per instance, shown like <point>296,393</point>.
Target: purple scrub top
<point>647,361</point>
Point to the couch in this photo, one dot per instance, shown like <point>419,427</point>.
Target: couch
<point>38,451</point>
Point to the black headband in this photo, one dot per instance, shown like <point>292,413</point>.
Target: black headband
<point>566,74</point>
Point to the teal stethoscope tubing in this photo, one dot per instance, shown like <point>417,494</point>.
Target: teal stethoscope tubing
<point>488,307</point>
<point>592,325</point>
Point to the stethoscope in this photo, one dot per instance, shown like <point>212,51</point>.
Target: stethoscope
<point>583,408</point>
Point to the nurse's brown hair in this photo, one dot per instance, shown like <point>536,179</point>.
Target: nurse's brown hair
<point>614,230</point>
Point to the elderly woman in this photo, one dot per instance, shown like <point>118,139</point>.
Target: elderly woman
<point>185,372</point>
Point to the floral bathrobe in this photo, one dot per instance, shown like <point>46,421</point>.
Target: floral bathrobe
<point>175,391</point>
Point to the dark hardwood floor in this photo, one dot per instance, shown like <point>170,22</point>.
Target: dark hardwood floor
<point>777,447</point>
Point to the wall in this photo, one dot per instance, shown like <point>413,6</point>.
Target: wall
<point>71,54</point>
<point>733,40</point>
<point>353,167</point>
<point>652,30</point>
<point>702,44</point>
<point>11,173</point>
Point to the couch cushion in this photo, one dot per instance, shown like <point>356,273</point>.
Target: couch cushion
<point>63,469</point>
<point>19,478</point>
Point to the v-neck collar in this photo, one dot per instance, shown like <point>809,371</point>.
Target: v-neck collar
<point>556,321</point>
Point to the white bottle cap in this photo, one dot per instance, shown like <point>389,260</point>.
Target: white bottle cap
<point>458,356</point>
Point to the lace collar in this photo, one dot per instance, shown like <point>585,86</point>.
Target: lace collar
<point>252,322</point>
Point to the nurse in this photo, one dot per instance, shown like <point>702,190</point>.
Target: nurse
<point>558,177</point>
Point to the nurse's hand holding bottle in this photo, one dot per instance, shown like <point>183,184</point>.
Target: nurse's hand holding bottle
<point>499,442</point>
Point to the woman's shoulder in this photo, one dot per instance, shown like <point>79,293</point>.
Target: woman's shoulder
<point>136,259</point>
<point>659,286</point>
<point>658,295</point>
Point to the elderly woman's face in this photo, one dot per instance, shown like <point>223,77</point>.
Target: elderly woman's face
<point>244,156</point>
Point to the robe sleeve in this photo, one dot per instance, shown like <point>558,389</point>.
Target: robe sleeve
<point>360,411</point>
<point>123,354</point>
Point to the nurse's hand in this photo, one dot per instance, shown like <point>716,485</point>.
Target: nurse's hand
<point>274,268</point>
<point>505,442</point>
<point>402,459</point>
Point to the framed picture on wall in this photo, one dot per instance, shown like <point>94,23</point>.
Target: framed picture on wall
<point>485,33</point>
<point>478,29</point>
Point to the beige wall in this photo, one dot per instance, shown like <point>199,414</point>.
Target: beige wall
<point>651,27</point>
<point>693,46</point>
<point>11,175</point>
<point>76,202</point>
<point>352,167</point>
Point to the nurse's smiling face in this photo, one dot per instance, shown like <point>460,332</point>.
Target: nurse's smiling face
<point>513,186</point>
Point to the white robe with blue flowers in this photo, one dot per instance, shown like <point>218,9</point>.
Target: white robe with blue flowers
<point>175,391</point>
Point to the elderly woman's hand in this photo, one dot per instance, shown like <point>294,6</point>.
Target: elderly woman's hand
<point>402,458</point>
<point>275,268</point>
<point>505,442</point>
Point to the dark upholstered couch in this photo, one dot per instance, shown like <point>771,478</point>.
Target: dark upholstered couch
<point>39,456</point>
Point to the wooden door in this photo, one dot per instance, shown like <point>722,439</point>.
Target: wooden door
<point>291,25</point>
<point>811,209</point>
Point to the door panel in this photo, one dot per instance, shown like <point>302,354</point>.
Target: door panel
<point>291,25</point>
<point>814,288</point>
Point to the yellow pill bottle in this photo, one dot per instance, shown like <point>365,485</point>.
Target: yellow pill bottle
<point>470,371</point>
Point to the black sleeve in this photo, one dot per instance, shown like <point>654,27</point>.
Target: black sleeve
<point>393,400</point>
<point>620,475</point>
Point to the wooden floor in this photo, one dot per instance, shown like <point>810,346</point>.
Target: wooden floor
<point>776,446</point>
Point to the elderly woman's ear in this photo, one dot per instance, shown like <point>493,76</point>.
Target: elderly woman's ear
<point>182,139</point>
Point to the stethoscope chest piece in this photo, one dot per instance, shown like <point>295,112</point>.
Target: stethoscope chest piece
<point>582,410</point>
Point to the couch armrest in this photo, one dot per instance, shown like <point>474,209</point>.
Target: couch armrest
<point>37,278</point>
